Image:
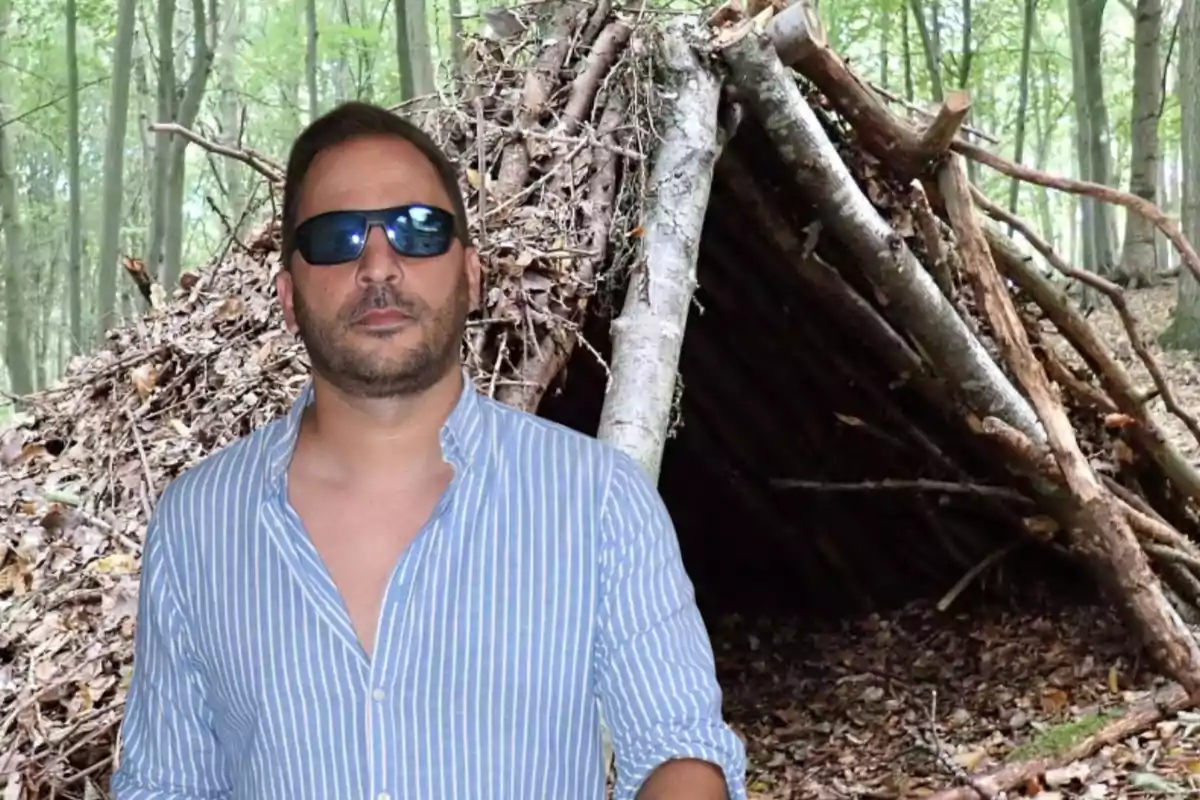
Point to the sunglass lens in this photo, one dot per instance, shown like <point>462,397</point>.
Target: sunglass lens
<point>421,231</point>
<point>332,238</point>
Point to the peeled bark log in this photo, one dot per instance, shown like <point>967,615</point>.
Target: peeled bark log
<point>912,295</point>
<point>648,335</point>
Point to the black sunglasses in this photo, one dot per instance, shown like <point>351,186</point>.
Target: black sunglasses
<point>415,231</point>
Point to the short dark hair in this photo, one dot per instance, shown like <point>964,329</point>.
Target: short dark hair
<point>351,120</point>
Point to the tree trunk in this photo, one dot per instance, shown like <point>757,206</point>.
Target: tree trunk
<point>1184,331</point>
<point>1139,262</point>
<point>203,41</point>
<point>16,343</point>
<point>164,111</point>
<point>1023,102</point>
<point>74,286</point>
<point>114,166</point>
<point>310,58</point>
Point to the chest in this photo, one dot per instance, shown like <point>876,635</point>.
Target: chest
<point>359,538</point>
<point>497,594</point>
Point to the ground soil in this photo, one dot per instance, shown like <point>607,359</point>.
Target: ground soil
<point>861,709</point>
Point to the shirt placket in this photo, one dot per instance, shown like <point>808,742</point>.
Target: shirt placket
<point>390,663</point>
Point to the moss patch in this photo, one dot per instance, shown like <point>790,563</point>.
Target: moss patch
<point>1058,739</point>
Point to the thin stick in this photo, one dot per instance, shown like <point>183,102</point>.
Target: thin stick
<point>1145,208</point>
<point>264,166</point>
<point>893,484</point>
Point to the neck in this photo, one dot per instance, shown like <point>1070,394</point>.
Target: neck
<point>356,438</point>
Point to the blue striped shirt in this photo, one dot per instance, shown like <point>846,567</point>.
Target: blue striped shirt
<point>545,590</point>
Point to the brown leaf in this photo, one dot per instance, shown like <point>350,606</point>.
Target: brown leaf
<point>144,378</point>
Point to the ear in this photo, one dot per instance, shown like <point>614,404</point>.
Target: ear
<point>474,278</point>
<point>285,288</point>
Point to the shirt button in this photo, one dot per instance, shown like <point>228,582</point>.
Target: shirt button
<point>378,695</point>
<point>383,796</point>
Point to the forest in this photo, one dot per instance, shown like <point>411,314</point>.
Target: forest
<point>940,300</point>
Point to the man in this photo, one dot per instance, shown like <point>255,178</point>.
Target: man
<point>403,589</point>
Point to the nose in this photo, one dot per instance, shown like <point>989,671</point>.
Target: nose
<point>378,262</point>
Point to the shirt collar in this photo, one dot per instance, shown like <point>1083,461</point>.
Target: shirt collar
<point>461,435</point>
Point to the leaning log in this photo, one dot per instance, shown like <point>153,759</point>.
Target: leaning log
<point>648,335</point>
<point>1103,531</point>
<point>911,293</point>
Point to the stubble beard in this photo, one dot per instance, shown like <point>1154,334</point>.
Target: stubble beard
<point>358,373</point>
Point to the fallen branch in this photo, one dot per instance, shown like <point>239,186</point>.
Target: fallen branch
<point>1138,205</point>
<point>259,163</point>
<point>1098,356</point>
<point>540,83</point>
<point>771,94</point>
<point>1111,291</point>
<point>583,89</point>
<point>1139,718</point>
<point>647,336</point>
<point>536,374</point>
<point>1105,534</point>
<point>896,484</point>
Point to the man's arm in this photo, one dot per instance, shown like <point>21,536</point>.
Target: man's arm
<point>656,673</point>
<point>169,750</point>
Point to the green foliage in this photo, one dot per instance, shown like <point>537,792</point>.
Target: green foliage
<point>357,54</point>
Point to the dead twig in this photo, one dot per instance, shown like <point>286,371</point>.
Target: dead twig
<point>895,484</point>
<point>261,164</point>
<point>1152,213</point>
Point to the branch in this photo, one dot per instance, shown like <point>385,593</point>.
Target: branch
<point>1139,718</point>
<point>1104,535</point>
<point>771,94</point>
<point>1138,205</point>
<point>264,166</point>
<point>894,484</point>
<point>799,39</point>
<point>647,336</point>
<point>1114,294</point>
<point>1096,352</point>
<point>916,109</point>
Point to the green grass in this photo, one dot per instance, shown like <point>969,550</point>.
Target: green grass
<point>1058,739</point>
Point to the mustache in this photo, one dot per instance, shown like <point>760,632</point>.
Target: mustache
<point>382,295</point>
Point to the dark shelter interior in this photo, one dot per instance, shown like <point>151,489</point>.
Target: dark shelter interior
<point>778,383</point>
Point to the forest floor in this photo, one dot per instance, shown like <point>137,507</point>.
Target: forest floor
<point>848,712</point>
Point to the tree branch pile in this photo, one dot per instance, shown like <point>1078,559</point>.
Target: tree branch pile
<point>793,288</point>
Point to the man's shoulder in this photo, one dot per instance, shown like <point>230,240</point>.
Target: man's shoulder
<point>519,427</point>
<point>238,461</point>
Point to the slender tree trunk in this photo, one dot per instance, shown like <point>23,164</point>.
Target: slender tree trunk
<point>189,108</point>
<point>310,62</point>
<point>1023,101</point>
<point>1139,257</point>
<point>1184,331</point>
<point>114,166</point>
<point>231,111</point>
<point>74,286</point>
<point>905,41</point>
<point>16,344</point>
<point>931,45</point>
<point>165,111</point>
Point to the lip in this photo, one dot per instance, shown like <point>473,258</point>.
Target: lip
<point>382,317</point>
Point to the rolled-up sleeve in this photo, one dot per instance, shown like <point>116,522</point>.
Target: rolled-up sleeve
<point>169,750</point>
<point>656,673</point>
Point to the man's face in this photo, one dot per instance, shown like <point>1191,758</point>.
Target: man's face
<point>384,325</point>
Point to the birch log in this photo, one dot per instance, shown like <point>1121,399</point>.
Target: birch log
<point>770,93</point>
<point>648,335</point>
